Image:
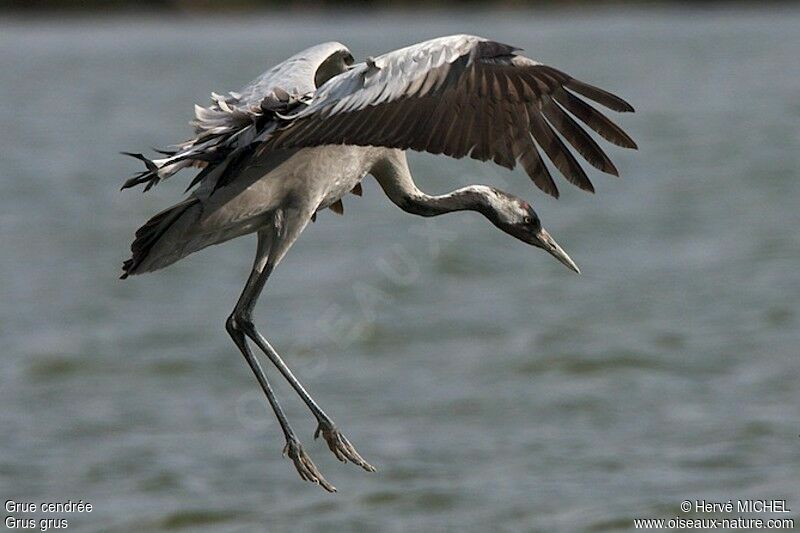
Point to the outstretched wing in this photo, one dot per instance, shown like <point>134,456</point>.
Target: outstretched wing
<point>227,131</point>
<point>463,95</point>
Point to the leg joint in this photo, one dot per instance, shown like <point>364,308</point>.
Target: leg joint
<point>238,323</point>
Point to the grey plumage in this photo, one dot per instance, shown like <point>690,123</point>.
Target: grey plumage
<point>306,132</point>
<point>460,95</point>
<point>227,130</point>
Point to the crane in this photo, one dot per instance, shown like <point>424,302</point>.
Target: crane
<point>305,133</point>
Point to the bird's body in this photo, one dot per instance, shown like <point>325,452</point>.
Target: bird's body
<point>306,132</point>
<point>309,179</point>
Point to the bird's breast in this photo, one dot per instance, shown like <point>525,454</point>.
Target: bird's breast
<point>309,180</point>
<point>327,173</point>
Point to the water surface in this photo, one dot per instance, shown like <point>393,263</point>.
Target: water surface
<point>492,388</point>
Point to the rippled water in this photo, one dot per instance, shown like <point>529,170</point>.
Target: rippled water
<point>490,386</point>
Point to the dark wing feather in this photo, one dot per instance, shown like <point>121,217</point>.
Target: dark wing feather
<point>594,119</point>
<point>558,153</point>
<point>462,95</point>
<point>577,137</point>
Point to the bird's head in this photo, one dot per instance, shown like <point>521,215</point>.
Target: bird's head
<point>517,218</point>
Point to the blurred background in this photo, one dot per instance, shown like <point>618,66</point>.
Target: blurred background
<point>492,388</point>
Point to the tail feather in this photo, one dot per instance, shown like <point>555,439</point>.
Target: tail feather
<point>149,234</point>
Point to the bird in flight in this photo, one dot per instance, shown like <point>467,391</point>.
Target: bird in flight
<point>306,132</point>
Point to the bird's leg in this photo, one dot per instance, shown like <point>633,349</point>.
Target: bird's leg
<point>302,462</point>
<point>285,231</point>
<point>239,322</point>
<point>337,442</point>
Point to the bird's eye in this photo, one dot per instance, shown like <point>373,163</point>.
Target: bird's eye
<point>527,220</point>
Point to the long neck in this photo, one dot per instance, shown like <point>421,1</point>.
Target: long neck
<point>396,181</point>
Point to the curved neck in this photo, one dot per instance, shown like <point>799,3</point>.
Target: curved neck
<point>396,181</point>
<point>471,198</point>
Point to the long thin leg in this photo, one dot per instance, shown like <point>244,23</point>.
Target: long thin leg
<point>279,242</point>
<point>337,442</point>
<point>305,467</point>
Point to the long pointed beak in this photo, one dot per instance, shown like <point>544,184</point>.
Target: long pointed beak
<point>548,243</point>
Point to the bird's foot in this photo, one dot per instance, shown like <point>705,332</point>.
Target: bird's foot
<point>305,467</point>
<point>340,446</point>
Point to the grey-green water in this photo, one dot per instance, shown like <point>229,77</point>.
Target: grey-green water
<point>492,388</point>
